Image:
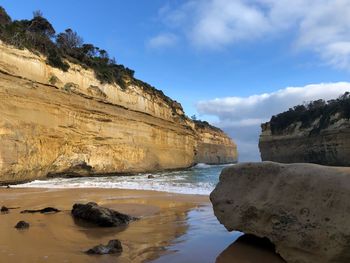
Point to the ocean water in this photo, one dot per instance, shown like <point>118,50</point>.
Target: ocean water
<point>200,179</point>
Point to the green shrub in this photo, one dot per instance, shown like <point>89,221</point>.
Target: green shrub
<point>55,60</point>
<point>308,113</point>
<point>38,35</point>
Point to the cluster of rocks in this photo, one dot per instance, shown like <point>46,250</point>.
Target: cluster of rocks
<point>91,213</point>
<point>303,209</point>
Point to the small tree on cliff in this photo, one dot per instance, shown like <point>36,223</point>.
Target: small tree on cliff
<point>69,40</point>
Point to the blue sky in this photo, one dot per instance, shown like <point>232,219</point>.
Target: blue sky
<point>236,51</point>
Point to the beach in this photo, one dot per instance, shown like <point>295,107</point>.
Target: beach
<point>57,238</point>
<point>172,228</point>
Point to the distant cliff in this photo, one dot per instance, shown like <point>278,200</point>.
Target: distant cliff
<point>213,146</point>
<point>56,122</point>
<point>315,133</point>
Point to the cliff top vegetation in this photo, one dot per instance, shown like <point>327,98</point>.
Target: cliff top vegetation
<point>39,36</point>
<point>205,124</point>
<point>308,113</point>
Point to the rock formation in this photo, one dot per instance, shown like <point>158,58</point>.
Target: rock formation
<point>68,123</point>
<point>302,209</point>
<point>22,225</point>
<point>315,133</point>
<point>46,210</point>
<point>101,216</point>
<point>212,146</point>
<point>113,247</point>
<point>4,209</point>
<point>329,147</point>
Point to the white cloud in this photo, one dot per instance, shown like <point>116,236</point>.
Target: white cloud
<point>241,117</point>
<point>223,22</point>
<point>321,26</point>
<point>163,41</point>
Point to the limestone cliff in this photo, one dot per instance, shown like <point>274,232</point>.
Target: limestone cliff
<point>54,122</point>
<point>213,146</point>
<point>328,145</point>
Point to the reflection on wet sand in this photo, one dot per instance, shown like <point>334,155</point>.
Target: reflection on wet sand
<point>173,228</point>
<point>57,237</point>
<point>248,249</point>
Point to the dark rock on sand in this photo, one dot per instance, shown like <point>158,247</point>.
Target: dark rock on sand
<point>303,209</point>
<point>4,209</point>
<point>150,176</point>
<point>22,225</point>
<point>101,216</point>
<point>113,247</point>
<point>42,211</point>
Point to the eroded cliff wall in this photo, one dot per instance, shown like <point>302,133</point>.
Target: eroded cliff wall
<point>327,146</point>
<point>55,122</point>
<point>213,145</point>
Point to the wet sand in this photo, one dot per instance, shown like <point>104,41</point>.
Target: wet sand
<point>57,238</point>
<point>173,228</point>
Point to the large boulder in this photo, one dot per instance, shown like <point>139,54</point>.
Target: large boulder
<point>303,209</point>
<point>101,216</point>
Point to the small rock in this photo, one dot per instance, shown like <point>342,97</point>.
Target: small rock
<point>113,247</point>
<point>150,176</point>
<point>4,209</point>
<point>22,225</point>
<point>42,211</point>
<point>8,187</point>
<point>101,216</point>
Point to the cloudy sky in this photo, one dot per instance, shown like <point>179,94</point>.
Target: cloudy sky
<point>232,62</point>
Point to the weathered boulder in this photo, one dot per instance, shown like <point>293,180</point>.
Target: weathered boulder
<point>303,209</point>
<point>101,216</point>
<point>114,246</point>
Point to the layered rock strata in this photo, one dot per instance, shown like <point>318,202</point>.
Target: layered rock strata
<point>301,208</point>
<point>212,146</point>
<point>68,123</point>
<point>327,146</point>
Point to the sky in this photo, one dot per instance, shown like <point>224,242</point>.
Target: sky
<point>234,63</point>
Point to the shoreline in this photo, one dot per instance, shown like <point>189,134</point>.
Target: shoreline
<point>146,191</point>
<point>99,175</point>
<point>200,180</point>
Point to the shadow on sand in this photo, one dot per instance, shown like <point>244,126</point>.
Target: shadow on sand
<point>250,249</point>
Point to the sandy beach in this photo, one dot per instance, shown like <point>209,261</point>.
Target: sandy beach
<point>164,219</point>
<point>57,238</point>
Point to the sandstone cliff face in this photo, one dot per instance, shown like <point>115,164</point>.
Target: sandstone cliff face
<point>328,146</point>
<point>212,146</point>
<point>301,208</point>
<point>55,122</point>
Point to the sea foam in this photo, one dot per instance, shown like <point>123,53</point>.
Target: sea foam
<point>200,179</point>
